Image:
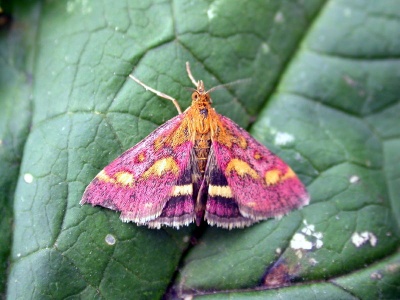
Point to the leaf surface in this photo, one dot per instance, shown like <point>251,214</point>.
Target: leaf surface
<point>323,95</point>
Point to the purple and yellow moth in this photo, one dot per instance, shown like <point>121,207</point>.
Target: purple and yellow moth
<point>198,165</point>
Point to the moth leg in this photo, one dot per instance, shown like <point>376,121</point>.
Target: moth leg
<point>158,93</point>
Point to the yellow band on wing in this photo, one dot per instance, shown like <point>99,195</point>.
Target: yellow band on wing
<point>180,190</point>
<point>218,190</point>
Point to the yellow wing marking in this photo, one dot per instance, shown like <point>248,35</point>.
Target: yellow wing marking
<point>257,155</point>
<point>241,167</point>
<point>122,178</point>
<point>275,176</point>
<point>102,176</point>
<point>141,157</point>
<point>161,167</point>
<point>219,190</point>
<point>272,177</point>
<point>179,190</point>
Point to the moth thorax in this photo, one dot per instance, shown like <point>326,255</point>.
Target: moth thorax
<point>202,149</point>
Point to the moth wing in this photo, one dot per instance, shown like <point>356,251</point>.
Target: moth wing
<point>247,182</point>
<point>150,183</point>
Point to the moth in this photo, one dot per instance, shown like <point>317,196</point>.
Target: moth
<point>198,165</point>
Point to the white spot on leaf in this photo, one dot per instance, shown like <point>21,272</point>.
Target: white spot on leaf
<point>376,276</point>
<point>307,239</point>
<point>110,239</point>
<point>28,178</point>
<point>265,48</point>
<point>283,138</point>
<point>354,179</point>
<point>211,13</point>
<point>299,241</point>
<point>359,239</point>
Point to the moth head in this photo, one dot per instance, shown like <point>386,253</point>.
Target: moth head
<point>200,95</point>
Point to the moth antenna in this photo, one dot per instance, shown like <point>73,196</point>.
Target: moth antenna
<point>190,74</point>
<point>158,93</point>
<point>228,84</point>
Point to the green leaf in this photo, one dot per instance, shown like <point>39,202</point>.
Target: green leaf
<point>323,95</point>
<point>15,118</point>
